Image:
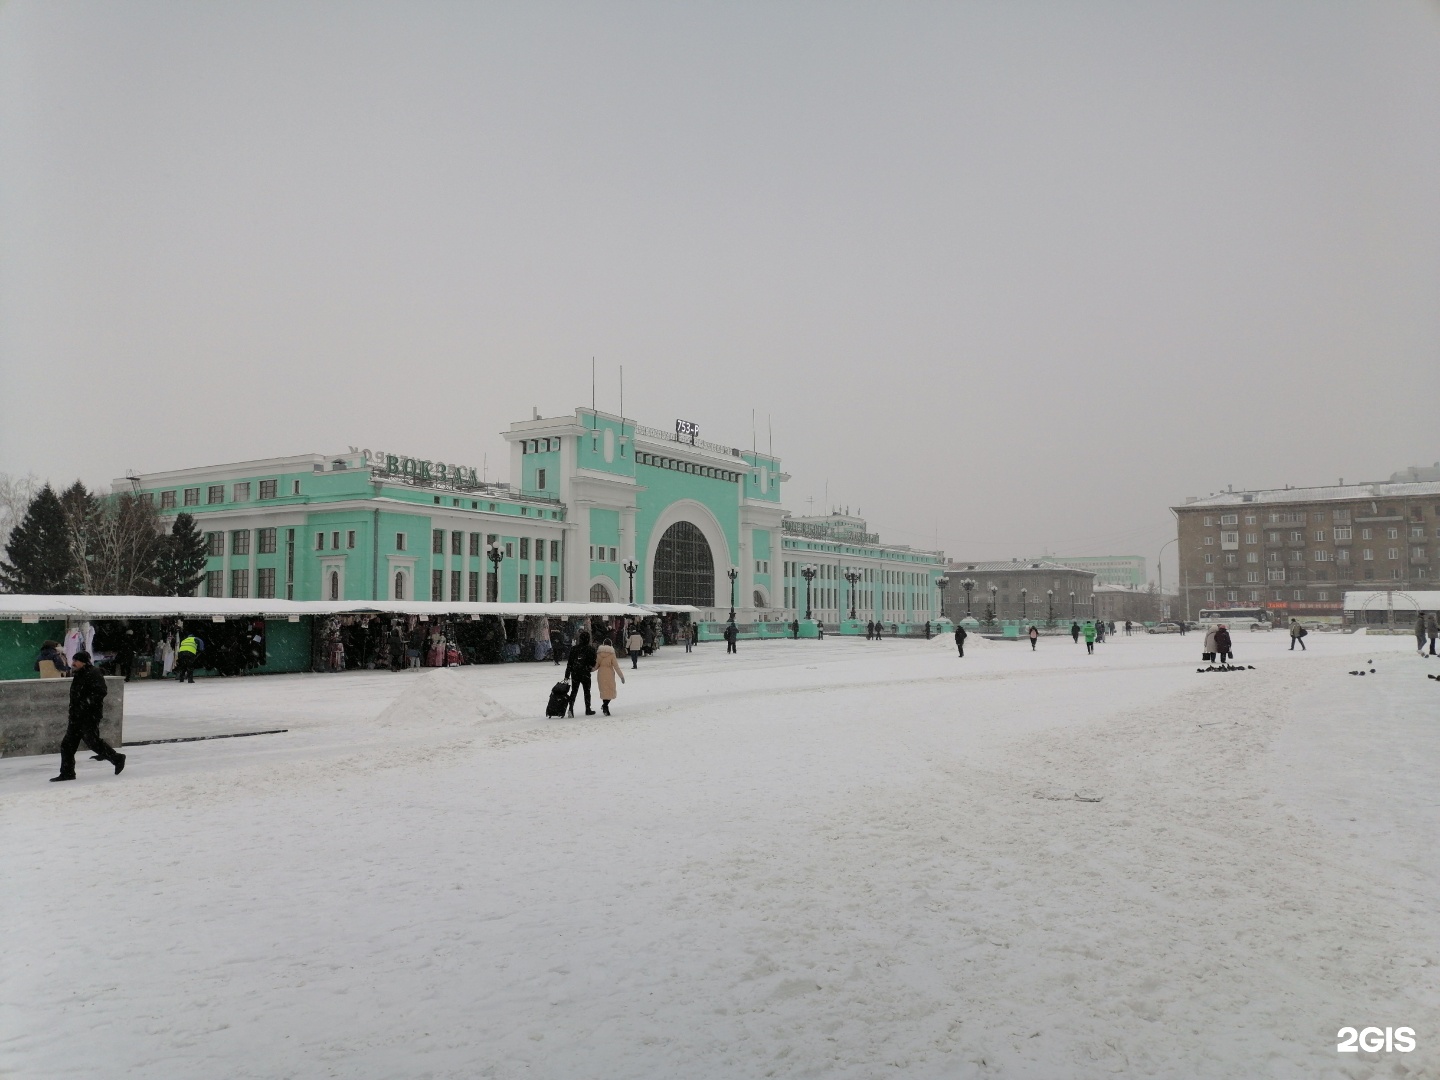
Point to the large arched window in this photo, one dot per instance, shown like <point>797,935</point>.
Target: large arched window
<point>599,594</point>
<point>684,567</point>
<point>760,599</point>
<point>400,585</point>
<point>334,585</point>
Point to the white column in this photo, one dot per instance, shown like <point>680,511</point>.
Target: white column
<point>577,555</point>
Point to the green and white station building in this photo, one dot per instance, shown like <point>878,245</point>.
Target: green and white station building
<point>589,497</point>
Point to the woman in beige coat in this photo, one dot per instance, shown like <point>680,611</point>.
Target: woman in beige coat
<point>606,668</point>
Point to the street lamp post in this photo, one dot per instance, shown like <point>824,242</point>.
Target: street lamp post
<point>942,583</point>
<point>808,572</point>
<point>1072,605</point>
<point>1024,611</point>
<point>496,557</point>
<point>968,584</point>
<point>852,576</point>
<point>1050,603</point>
<point>734,575</point>
<point>630,569</point>
<point>994,607</point>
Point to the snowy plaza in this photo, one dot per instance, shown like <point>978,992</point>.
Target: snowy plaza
<point>813,859</point>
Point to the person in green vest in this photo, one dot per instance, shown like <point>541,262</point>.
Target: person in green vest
<point>1089,636</point>
<point>186,657</point>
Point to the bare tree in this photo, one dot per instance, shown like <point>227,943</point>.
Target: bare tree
<point>115,539</point>
<point>16,494</point>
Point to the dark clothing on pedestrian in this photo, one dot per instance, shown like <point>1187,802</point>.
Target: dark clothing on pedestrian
<point>582,661</point>
<point>869,629</point>
<point>960,636</point>
<point>87,705</point>
<point>1075,632</point>
<point>1223,644</point>
<point>732,634</point>
<point>1034,638</point>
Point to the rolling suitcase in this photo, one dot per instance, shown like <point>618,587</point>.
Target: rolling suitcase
<point>559,699</point>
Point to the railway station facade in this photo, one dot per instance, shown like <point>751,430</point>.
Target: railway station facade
<point>590,497</point>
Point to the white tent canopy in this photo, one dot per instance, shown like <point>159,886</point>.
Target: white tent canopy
<point>1407,600</point>
<point>31,608</point>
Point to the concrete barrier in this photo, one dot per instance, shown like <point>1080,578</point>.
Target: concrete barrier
<point>35,712</point>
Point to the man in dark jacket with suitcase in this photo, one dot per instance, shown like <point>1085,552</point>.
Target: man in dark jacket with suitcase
<point>87,702</point>
<point>582,662</point>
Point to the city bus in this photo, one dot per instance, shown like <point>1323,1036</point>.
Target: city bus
<point>1236,618</point>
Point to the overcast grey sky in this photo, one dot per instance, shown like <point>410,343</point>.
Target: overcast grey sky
<point>1014,274</point>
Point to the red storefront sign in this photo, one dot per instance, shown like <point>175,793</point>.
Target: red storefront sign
<point>1316,607</point>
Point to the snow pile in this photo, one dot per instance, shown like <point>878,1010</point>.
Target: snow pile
<point>444,697</point>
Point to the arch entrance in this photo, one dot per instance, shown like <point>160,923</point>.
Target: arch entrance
<point>684,567</point>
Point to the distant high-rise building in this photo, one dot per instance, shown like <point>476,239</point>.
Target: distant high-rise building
<point>1108,569</point>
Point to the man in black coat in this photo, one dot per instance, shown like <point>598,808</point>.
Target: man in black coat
<point>732,633</point>
<point>960,636</point>
<point>87,702</point>
<point>582,662</point>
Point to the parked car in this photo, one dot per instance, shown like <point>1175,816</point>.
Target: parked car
<point>1163,628</point>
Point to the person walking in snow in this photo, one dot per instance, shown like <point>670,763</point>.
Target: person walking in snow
<point>1430,630</point>
<point>606,668</point>
<point>1100,631</point>
<point>1208,651</point>
<point>1034,637</point>
<point>1089,632</point>
<point>1223,644</point>
<point>1075,632</point>
<point>635,645</point>
<point>960,636</point>
<point>732,635</point>
<point>869,629</point>
<point>582,662</point>
<point>87,705</point>
<point>1297,635</point>
<point>1420,633</point>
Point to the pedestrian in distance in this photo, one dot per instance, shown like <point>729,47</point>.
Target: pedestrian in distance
<point>1127,627</point>
<point>1075,632</point>
<point>1223,644</point>
<point>689,635</point>
<point>186,657</point>
<point>87,705</point>
<point>732,635</point>
<point>1297,635</point>
<point>869,629</point>
<point>1089,632</point>
<point>1430,630</point>
<point>635,645</point>
<point>607,666</point>
<point>960,636</point>
<point>1208,650</point>
<point>1100,631</point>
<point>795,629</point>
<point>927,629</point>
<point>1034,633</point>
<point>1420,633</point>
<point>582,662</point>
<point>879,630</point>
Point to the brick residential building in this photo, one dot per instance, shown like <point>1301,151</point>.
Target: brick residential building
<point>1294,551</point>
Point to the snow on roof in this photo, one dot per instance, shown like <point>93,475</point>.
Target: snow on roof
<point>1011,566</point>
<point>1379,490</point>
<point>1403,600</point>
<point>18,606</point>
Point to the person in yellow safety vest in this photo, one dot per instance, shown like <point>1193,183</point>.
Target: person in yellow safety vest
<point>185,657</point>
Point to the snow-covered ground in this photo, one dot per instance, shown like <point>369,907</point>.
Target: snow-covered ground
<point>814,859</point>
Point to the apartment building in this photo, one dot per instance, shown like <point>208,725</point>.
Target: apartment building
<point>1295,551</point>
